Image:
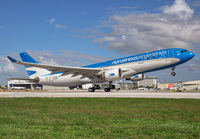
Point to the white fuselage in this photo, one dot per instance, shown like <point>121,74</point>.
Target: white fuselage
<point>132,69</point>
<point>107,71</point>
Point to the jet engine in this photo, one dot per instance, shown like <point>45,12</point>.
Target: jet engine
<point>41,79</point>
<point>36,80</point>
<point>137,77</point>
<point>112,74</point>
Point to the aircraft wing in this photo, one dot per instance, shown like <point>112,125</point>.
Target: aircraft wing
<point>65,69</point>
<point>25,79</point>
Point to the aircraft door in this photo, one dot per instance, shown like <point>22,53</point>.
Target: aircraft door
<point>171,53</point>
<point>51,78</point>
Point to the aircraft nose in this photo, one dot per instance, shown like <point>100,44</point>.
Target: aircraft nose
<point>192,54</point>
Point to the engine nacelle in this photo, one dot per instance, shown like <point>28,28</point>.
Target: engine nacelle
<point>112,74</point>
<point>137,77</point>
<point>41,79</point>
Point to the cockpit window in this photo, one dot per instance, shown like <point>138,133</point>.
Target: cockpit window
<point>183,51</point>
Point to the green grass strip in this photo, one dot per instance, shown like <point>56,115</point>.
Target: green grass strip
<point>99,118</point>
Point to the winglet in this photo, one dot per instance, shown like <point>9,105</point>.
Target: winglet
<point>12,59</point>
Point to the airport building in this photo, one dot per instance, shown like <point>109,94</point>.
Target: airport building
<point>191,85</point>
<point>188,85</point>
<point>166,86</point>
<point>127,85</point>
<point>23,84</point>
<point>148,82</point>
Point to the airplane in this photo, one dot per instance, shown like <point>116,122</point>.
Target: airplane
<point>123,68</point>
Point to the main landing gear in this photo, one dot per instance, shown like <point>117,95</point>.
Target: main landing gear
<point>110,86</point>
<point>173,73</point>
<point>92,89</point>
<point>95,87</point>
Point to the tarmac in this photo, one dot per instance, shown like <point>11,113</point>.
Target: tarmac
<point>102,94</point>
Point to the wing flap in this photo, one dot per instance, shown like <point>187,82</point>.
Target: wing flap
<point>26,79</point>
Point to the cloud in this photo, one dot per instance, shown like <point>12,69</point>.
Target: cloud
<point>174,27</point>
<point>58,26</point>
<point>61,26</point>
<point>116,9</point>
<point>7,66</point>
<point>65,26</point>
<point>52,20</point>
<point>9,70</point>
<point>127,7</point>
<point>180,9</point>
<point>194,66</point>
<point>65,57</point>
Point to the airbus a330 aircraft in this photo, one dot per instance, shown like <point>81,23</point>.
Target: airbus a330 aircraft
<point>127,67</point>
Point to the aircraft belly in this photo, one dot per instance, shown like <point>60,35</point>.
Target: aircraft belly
<point>67,81</point>
<point>154,64</point>
<point>142,66</point>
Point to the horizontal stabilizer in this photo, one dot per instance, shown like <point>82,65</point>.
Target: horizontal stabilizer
<point>12,59</point>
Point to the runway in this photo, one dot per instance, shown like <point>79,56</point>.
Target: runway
<point>102,94</point>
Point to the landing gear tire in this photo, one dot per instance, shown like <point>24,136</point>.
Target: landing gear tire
<point>107,89</point>
<point>91,89</point>
<point>112,87</point>
<point>173,73</point>
<point>97,86</point>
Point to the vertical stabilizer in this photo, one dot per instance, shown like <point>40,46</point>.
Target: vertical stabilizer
<point>27,58</point>
<point>33,72</point>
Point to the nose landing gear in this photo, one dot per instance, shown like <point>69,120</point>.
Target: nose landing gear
<point>173,73</point>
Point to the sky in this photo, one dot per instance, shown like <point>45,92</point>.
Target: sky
<point>78,33</point>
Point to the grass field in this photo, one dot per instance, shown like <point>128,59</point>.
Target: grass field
<point>99,118</point>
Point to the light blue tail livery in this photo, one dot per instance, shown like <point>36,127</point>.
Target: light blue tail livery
<point>32,71</point>
<point>27,58</point>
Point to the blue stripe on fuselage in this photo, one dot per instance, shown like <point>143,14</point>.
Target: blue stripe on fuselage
<point>160,54</point>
